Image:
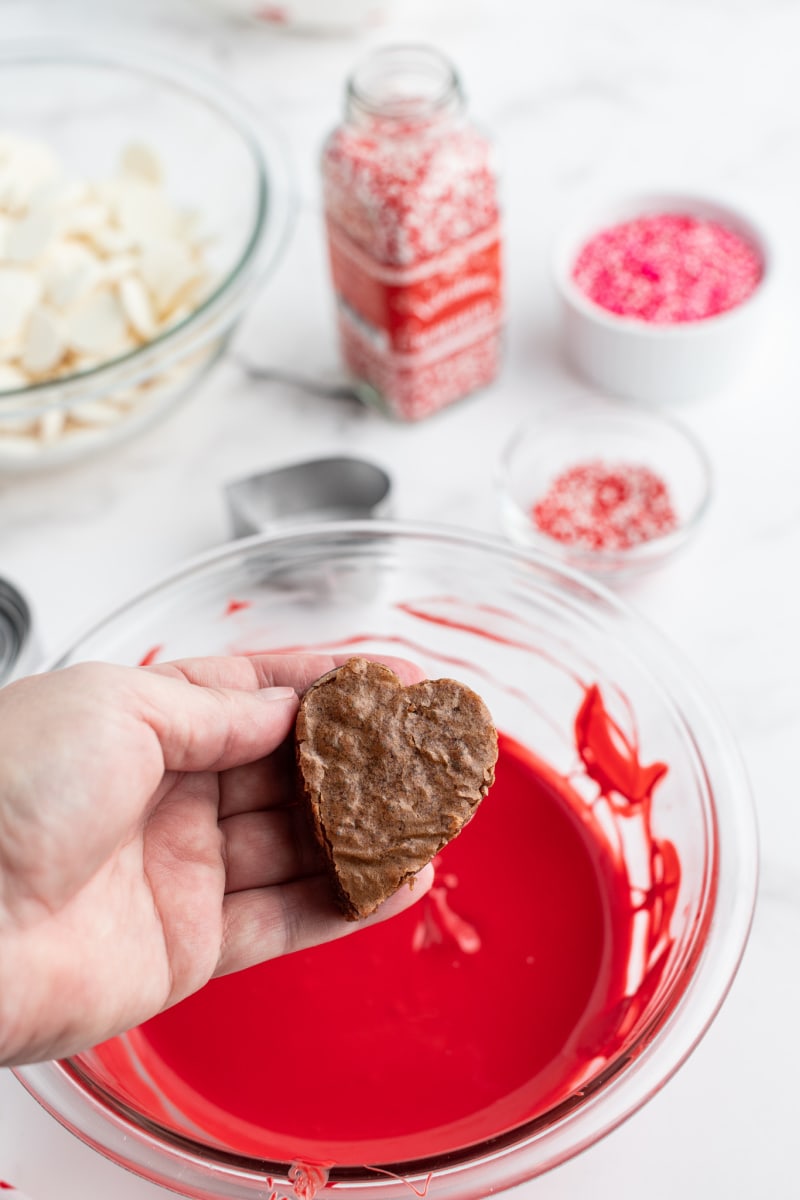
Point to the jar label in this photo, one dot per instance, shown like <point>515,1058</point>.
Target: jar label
<point>427,310</point>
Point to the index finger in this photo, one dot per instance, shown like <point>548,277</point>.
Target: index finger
<point>254,671</point>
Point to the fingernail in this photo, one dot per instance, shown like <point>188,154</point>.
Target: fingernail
<point>277,693</point>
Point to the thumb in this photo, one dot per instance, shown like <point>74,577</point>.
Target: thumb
<point>211,729</point>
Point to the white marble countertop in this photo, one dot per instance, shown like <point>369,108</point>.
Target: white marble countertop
<point>695,94</point>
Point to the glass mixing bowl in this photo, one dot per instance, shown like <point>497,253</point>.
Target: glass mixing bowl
<point>223,167</point>
<point>536,640</point>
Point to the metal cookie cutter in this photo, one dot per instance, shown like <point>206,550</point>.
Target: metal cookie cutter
<point>322,489</point>
<point>17,652</point>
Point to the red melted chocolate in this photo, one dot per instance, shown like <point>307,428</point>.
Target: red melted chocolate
<point>477,1009</point>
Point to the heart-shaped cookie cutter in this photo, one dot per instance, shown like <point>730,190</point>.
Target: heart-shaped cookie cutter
<point>321,489</point>
<point>17,648</point>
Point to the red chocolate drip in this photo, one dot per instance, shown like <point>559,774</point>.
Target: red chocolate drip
<point>150,657</point>
<point>610,758</point>
<point>439,920</point>
<point>418,1191</point>
<point>234,606</point>
<point>308,1178</point>
<point>447,620</point>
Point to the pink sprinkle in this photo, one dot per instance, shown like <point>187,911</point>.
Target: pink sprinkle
<point>668,268</point>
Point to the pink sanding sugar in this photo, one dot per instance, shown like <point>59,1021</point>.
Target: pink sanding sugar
<point>605,506</point>
<point>667,268</point>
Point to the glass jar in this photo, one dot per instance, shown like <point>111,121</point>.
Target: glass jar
<point>413,223</point>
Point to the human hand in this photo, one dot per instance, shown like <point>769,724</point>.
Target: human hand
<point>148,841</point>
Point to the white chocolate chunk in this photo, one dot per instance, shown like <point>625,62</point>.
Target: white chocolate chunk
<point>95,412</point>
<point>11,378</point>
<point>10,349</point>
<point>43,348</point>
<point>85,219</point>
<point>110,241</point>
<point>18,448</point>
<point>25,166</point>
<point>20,290</point>
<point>190,227</point>
<point>57,194</point>
<point>143,211</point>
<point>51,424</point>
<point>98,326</point>
<point>29,237</point>
<point>70,273</point>
<point>167,268</point>
<point>137,307</point>
<point>13,417</point>
<point>139,159</point>
<point>116,268</point>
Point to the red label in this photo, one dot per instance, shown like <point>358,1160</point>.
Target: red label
<point>425,307</point>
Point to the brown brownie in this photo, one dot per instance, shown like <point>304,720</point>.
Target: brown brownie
<point>389,773</point>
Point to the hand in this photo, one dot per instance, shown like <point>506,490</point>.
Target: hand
<point>148,841</point>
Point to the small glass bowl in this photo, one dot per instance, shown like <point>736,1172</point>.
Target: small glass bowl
<point>641,360</point>
<point>87,104</point>
<point>616,434</point>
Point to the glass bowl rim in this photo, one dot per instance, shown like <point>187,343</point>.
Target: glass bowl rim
<point>660,1049</point>
<point>266,240</point>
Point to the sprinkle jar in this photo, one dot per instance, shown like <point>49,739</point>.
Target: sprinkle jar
<point>413,224</point>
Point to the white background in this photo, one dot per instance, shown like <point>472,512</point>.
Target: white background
<point>583,97</point>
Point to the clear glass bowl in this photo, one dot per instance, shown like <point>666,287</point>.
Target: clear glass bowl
<point>615,433</point>
<point>87,104</point>
<point>531,637</point>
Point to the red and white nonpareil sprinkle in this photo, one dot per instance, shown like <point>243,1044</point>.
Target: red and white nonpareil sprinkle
<point>668,268</point>
<point>408,190</point>
<point>413,225</point>
<point>605,506</point>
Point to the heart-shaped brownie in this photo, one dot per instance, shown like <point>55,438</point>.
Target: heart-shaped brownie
<point>390,774</point>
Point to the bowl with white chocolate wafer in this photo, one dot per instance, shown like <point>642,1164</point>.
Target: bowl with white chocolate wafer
<point>141,205</point>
